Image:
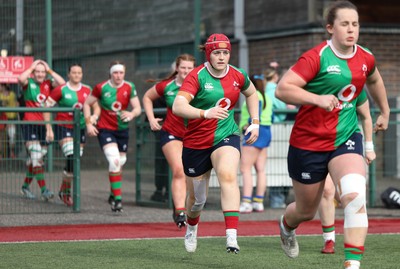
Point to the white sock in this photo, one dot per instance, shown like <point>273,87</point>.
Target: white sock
<point>352,264</point>
<point>231,233</point>
<point>329,236</point>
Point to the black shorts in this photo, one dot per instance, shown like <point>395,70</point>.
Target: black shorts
<point>166,137</point>
<point>121,138</point>
<point>309,167</point>
<point>34,132</point>
<point>61,132</point>
<point>196,162</point>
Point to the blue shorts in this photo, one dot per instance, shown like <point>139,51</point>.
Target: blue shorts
<point>263,140</point>
<point>34,132</point>
<point>121,138</point>
<point>61,132</point>
<point>198,161</point>
<point>309,167</point>
<point>166,137</point>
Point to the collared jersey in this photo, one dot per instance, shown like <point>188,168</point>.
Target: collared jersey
<point>173,124</point>
<point>208,92</point>
<point>326,71</point>
<point>112,101</point>
<point>68,97</point>
<point>35,95</point>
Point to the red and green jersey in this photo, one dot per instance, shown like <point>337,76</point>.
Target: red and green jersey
<point>112,101</point>
<point>35,95</point>
<point>326,71</point>
<point>208,92</point>
<point>173,124</point>
<point>65,96</point>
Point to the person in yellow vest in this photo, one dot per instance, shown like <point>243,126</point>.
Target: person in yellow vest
<point>9,99</point>
<point>255,155</point>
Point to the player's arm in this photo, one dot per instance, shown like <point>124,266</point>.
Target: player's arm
<point>253,107</point>
<point>23,77</point>
<point>149,97</point>
<point>366,122</point>
<point>377,90</point>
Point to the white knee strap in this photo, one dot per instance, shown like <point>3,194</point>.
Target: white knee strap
<point>354,183</point>
<point>200,194</point>
<point>113,158</point>
<point>35,152</point>
<point>122,159</point>
<point>68,148</point>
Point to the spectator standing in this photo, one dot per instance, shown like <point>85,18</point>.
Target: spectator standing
<point>255,155</point>
<point>9,99</point>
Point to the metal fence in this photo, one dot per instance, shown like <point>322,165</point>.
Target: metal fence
<point>146,168</point>
<point>13,168</point>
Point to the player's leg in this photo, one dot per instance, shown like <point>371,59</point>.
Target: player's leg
<point>173,153</point>
<point>258,200</point>
<point>248,159</point>
<point>351,185</point>
<point>225,160</point>
<point>326,212</point>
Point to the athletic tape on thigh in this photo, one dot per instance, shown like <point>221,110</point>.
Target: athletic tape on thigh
<point>113,158</point>
<point>354,183</point>
<point>200,194</point>
<point>35,152</point>
<point>68,148</point>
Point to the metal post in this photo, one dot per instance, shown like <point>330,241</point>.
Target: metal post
<point>77,162</point>
<point>19,22</point>
<point>197,24</point>
<point>49,32</point>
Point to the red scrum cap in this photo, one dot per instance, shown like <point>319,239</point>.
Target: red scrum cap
<point>217,42</point>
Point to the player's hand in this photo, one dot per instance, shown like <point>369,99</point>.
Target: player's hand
<point>91,130</point>
<point>155,124</point>
<point>216,113</point>
<point>382,123</point>
<point>253,130</point>
<point>328,102</point>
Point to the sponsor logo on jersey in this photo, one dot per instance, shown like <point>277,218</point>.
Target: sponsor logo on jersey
<point>170,93</point>
<point>78,106</point>
<point>116,106</point>
<point>68,96</point>
<point>40,98</point>
<point>224,103</point>
<point>305,175</point>
<point>350,144</point>
<point>107,94</point>
<point>208,86</point>
<point>347,93</point>
<point>333,69</point>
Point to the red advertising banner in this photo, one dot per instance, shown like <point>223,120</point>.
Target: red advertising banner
<point>12,66</point>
